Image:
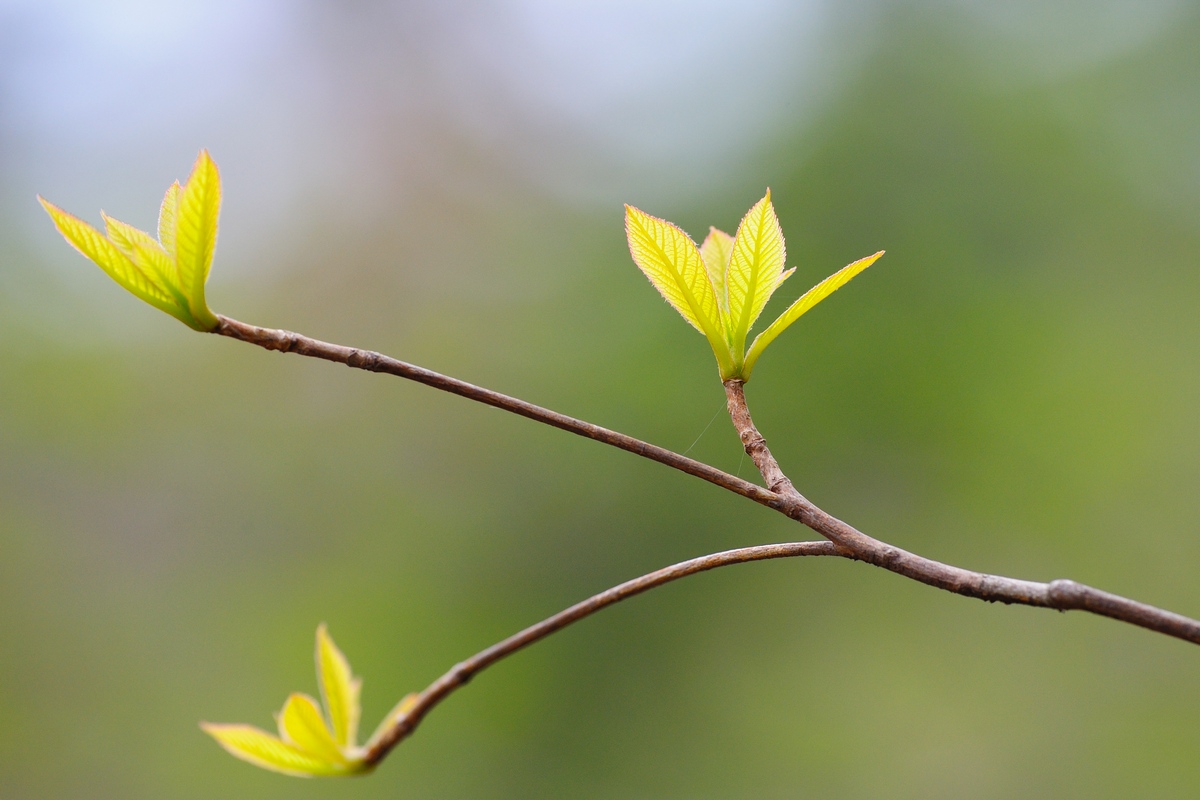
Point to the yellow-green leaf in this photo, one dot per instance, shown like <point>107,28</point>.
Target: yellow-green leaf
<point>755,268</point>
<point>199,205</point>
<point>125,236</point>
<point>339,688</point>
<point>715,250</point>
<point>153,261</point>
<point>302,724</point>
<point>264,750</point>
<point>783,277</point>
<point>109,258</point>
<point>166,218</point>
<point>797,309</point>
<point>672,262</point>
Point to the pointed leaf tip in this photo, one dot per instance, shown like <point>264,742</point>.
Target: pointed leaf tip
<point>755,267</point>
<point>170,273</point>
<point>715,250</point>
<point>110,257</point>
<point>197,209</point>
<point>803,305</point>
<point>339,689</point>
<point>125,236</point>
<point>671,261</point>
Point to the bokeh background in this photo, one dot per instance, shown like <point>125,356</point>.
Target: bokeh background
<point>1013,388</point>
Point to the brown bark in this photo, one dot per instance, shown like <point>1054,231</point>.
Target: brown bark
<point>462,672</point>
<point>843,540</point>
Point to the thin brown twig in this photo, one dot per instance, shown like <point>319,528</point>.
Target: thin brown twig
<point>289,342</point>
<point>462,672</point>
<point>1063,595</point>
<point>780,494</point>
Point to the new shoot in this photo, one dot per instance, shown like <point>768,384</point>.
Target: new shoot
<point>169,272</point>
<point>722,286</point>
<point>314,739</point>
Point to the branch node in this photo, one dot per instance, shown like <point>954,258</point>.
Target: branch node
<point>462,673</point>
<point>843,540</point>
<point>365,359</point>
<point>288,341</point>
<point>1065,594</point>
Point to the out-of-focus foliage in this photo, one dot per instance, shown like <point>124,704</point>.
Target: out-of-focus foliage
<point>722,286</point>
<point>178,512</point>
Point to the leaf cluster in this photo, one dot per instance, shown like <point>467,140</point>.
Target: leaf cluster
<point>312,741</point>
<point>169,272</point>
<point>722,286</point>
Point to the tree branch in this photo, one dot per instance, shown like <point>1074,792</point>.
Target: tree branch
<point>289,342</point>
<point>780,495</point>
<point>1063,595</point>
<point>843,540</point>
<point>462,672</point>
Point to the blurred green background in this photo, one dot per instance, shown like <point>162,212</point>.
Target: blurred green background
<point>1013,388</point>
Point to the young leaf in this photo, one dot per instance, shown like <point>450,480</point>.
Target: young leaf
<point>672,262</point>
<point>264,750</point>
<point>302,724</point>
<point>670,259</point>
<point>798,308</point>
<point>715,250</point>
<point>169,274</point>
<point>108,257</point>
<point>125,236</point>
<point>755,268</point>
<point>151,259</point>
<point>166,218</point>
<point>199,205</point>
<point>154,261</point>
<point>339,688</point>
<point>312,743</point>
